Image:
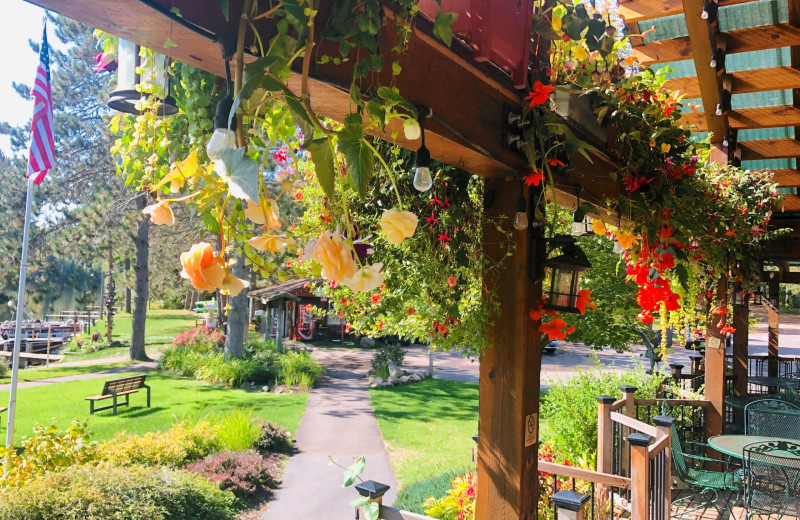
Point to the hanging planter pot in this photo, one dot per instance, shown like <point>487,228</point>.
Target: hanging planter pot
<point>570,103</point>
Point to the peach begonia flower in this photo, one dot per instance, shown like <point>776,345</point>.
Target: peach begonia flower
<point>180,171</point>
<point>398,225</point>
<point>207,271</point>
<point>265,213</point>
<point>627,240</point>
<point>335,257</point>
<point>366,279</point>
<point>271,243</point>
<point>598,227</point>
<point>160,213</point>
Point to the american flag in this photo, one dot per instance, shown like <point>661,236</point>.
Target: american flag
<point>42,151</point>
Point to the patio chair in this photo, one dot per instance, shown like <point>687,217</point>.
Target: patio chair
<point>772,418</point>
<point>710,486</point>
<point>772,478</point>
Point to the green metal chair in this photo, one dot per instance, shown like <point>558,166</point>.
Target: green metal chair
<point>710,485</point>
<point>772,484</point>
<point>772,418</point>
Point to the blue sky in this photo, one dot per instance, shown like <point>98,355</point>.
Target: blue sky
<point>19,22</point>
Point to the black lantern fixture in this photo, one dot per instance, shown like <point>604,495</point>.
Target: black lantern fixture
<point>739,296</point>
<point>581,224</point>
<point>521,211</point>
<point>125,97</point>
<point>565,274</point>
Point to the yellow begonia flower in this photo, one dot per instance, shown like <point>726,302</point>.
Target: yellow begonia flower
<point>398,225</point>
<point>232,286</point>
<point>180,171</point>
<point>335,257</point>
<point>271,243</point>
<point>265,213</point>
<point>665,147</point>
<point>598,227</point>
<point>557,17</point>
<point>160,213</point>
<point>201,267</point>
<point>627,240</point>
<point>367,279</point>
<point>580,53</point>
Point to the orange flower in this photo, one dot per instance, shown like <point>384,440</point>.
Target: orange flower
<point>540,93</point>
<point>553,329</point>
<point>584,299</point>
<point>160,213</point>
<point>451,281</point>
<point>645,317</point>
<point>534,177</point>
<point>335,258</point>
<point>201,267</point>
<point>727,329</point>
<point>410,311</point>
<point>442,329</point>
<point>375,299</point>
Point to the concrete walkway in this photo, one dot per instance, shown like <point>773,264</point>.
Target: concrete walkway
<point>339,422</point>
<point>136,367</point>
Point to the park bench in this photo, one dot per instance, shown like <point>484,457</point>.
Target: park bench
<point>115,388</point>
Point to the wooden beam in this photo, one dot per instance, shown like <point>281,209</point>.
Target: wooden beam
<point>764,80</point>
<point>786,178</point>
<point>756,150</point>
<point>703,41</point>
<point>742,40</point>
<point>794,19</point>
<point>509,375</point>
<point>749,118</point>
<point>785,248</point>
<point>640,10</point>
<point>690,87</point>
<point>791,203</point>
<point>783,276</point>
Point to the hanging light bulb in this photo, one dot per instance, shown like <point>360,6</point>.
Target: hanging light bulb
<point>422,164</point>
<point>223,138</point>
<point>618,249</point>
<point>725,142</point>
<point>521,215</point>
<point>704,14</point>
<point>718,111</point>
<point>713,62</point>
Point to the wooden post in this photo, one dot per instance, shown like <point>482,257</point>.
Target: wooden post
<point>509,370</point>
<point>279,333</point>
<point>740,352</point>
<point>676,372</point>
<point>664,427</point>
<point>628,393</point>
<point>605,438</point>
<point>49,336</point>
<point>773,320</point>
<point>571,505</point>
<point>640,475</point>
<point>715,366</point>
<point>697,361</point>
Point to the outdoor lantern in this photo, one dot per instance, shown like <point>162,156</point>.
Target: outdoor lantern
<point>521,213</point>
<point>125,97</point>
<point>738,296</point>
<point>565,275</point>
<point>224,136</point>
<point>422,164</point>
<point>757,298</point>
<point>581,224</point>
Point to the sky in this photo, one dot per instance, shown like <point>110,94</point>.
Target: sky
<point>20,21</point>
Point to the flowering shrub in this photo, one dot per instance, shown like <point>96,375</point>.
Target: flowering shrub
<point>458,503</point>
<point>180,444</point>
<point>274,439</point>
<point>202,337</point>
<point>47,451</point>
<point>242,473</point>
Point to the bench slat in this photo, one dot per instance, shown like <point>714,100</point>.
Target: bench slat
<point>109,396</point>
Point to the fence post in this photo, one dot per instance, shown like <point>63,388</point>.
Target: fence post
<point>676,372</point>
<point>570,505</point>
<point>628,392</point>
<point>664,427</point>
<point>696,361</point>
<point>605,438</point>
<point>640,475</point>
<point>373,490</point>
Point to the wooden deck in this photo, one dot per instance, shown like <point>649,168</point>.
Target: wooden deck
<point>739,512</point>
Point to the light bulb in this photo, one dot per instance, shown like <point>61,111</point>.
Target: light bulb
<point>222,139</point>
<point>618,249</point>
<point>704,16</point>
<point>422,178</point>
<point>578,227</point>
<point>725,142</point>
<point>521,215</point>
<point>719,110</point>
<point>713,63</point>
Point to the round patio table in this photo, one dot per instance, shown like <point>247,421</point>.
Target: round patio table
<point>733,445</point>
<point>740,401</point>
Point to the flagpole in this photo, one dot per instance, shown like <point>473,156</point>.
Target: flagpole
<point>12,400</point>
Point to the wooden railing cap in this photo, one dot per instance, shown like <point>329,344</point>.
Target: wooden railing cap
<point>640,439</point>
<point>627,388</point>
<point>372,489</point>
<point>663,420</point>
<point>570,500</point>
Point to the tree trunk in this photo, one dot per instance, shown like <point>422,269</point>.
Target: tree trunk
<point>142,272</point>
<point>127,287</point>
<point>237,315</point>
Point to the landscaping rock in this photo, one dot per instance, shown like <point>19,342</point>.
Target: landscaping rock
<point>367,342</point>
<point>394,371</point>
<point>280,389</point>
<point>404,379</point>
<point>414,378</point>
<point>393,380</point>
<point>247,386</point>
<point>376,382</point>
<point>265,388</point>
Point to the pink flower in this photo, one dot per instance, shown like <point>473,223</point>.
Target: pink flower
<point>105,61</point>
<point>452,281</point>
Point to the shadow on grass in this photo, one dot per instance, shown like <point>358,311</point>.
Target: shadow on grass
<point>428,401</point>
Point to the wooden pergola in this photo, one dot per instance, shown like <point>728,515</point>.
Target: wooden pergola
<point>470,97</point>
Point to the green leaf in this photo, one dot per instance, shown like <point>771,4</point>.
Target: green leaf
<point>169,43</point>
<point>225,6</point>
<point>322,155</point>
<point>211,223</point>
<point>355,469</point>
<point>372,511</point>
<point>300,116</point>
<point>360,161</point>
<point>243,178</point>
<point>176,12</point>
<point>273,85</point>
<point>443,26</point>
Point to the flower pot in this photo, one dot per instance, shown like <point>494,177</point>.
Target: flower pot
<point>571,104</point>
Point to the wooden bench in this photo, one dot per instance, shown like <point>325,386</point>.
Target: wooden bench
<point>115,388</point>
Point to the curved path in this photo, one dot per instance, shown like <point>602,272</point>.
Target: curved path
<point>338,422</point>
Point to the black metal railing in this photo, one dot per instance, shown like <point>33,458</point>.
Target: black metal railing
<point>603,505</point>
<point>658,484</point>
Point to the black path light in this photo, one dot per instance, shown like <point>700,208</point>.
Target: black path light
<point>125,97</point>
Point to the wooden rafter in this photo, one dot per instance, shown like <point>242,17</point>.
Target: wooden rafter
<point>744,81</point>
<point>742,40</point>
<point>704,45</point>
<point>787,178</point>
<point>749,118</point>
<point>785,148</point>
<point>641,10</point>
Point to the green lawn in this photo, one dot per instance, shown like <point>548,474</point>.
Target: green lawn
<point>427,427</point>
<point>37,374</point>
<point>162,324</point>
<point>173,398</point>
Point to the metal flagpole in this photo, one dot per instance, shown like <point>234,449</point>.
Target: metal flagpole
<point>12,400</point>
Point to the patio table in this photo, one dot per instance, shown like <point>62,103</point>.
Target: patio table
<point>782,382</point>
<point>733,445</point>
<point>740,401</point>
